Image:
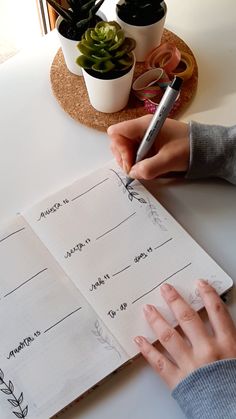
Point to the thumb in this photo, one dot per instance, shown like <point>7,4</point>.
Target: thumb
<point>151,167</point>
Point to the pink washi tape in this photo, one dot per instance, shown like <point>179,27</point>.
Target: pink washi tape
<point>166,56</point>
<point>151,84</point>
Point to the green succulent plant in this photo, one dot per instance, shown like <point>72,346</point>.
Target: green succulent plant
<point>141,12</point>
<point>79,16</point>
<point>105,49</point>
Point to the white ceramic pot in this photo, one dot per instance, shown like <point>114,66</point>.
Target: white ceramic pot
<point>69,48</point>
<point>110,95</point>
<point>70,51</point>
<point>147,37</point>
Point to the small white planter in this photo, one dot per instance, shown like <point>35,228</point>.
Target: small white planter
<point>69,48</point>
<point>70,51</point>
<point>110,95</point>
<point>147,37</point>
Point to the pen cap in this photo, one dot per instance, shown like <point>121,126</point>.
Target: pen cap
<point>176,83</point>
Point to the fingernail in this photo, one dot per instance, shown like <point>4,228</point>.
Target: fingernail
<point>166,288</point>
<point>125,168</point>
<point>148,308</point>
<point>139,340</point>
<point>132,174</point>
<point>202,283</point>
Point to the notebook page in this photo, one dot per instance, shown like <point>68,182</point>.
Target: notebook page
<point>118,245</point>
<point>53,345</point>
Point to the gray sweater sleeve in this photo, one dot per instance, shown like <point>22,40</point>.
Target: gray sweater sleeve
<point>212,152</point>
<point>209,392</point>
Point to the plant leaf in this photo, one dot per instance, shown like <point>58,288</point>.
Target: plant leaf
<point>11,387</point>
<point>14,403</point>
<point>18,414</point>
<point>20,400</point>
<point>60,10</point>
<point>6,390</point>
<point>25,411</point>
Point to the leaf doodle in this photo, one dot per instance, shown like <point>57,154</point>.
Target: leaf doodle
<point>154,216</point>
<point>9,390</point>
<point>195,298</point>
<point>132,194</point>
<point>104,339</point>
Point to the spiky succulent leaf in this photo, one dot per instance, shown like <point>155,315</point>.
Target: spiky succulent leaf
<point>61,10</point>
<point>80,14</point>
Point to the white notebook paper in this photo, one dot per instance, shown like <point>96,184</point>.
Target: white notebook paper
<point>76,270</point>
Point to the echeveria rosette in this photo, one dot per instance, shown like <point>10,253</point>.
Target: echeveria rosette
<point>141,12</point>
<point>105,48</point>
<point>79,15</point>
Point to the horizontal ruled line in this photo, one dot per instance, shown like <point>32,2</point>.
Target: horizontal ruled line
<point>122,270</point>
<point>59,321</point>
<point>25,282</point>
<point>90,189</point>
<point>116,226</point>
<point>14,232</point>
<point>162,244</point>
<point>166,279</point>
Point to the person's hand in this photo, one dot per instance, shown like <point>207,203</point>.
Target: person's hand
<point>170,152</point>
<point>201,347</point>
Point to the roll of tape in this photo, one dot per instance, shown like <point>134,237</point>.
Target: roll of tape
<point>166,56</point>
<point>150,84</point>
<point>187,62</point>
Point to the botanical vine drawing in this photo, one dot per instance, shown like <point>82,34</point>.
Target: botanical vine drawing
<point>8,389</point>
<point>103,338</point>
<point>131,193</point>
<point>154,216</point>
<point>195,297</point>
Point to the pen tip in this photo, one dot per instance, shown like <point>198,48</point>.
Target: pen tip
<point>128,181</point>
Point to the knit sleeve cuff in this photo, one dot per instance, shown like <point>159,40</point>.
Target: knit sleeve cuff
<point>209,392</point>
<point>212,152</point>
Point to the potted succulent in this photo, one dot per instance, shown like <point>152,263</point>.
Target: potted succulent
<point>72,23</point>
<point>107,62</point>
<point>144,21</point>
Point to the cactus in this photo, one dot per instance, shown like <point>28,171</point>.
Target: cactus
<point>141,12</point>
<point>79,16</point>
<point>106,52</point>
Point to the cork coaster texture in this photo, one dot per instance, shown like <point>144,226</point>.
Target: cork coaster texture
<point>70,91</point>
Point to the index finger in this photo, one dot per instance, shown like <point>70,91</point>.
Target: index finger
<point>124,151</point>
<point>133,129</point>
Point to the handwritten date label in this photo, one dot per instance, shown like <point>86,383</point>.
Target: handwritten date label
<point>77,248</point>
<point>25,343</point>
<point>143,255</point>
<point>100,281</point>
<point>54,208</point>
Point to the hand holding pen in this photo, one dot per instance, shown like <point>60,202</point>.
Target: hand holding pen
<point>168,153</point>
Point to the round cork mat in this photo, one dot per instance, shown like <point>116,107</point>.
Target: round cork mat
<point>71,93</point>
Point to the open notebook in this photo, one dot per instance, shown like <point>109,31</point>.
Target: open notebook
<point>76,270</point>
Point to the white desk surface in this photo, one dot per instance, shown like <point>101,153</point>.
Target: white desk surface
<point>43,149</point>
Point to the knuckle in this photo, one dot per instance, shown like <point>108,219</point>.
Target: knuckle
<point>172,296</point>
<point>188,315</point>
<point>167,335</point>
<point>210,353</point>
<point>159,364</point>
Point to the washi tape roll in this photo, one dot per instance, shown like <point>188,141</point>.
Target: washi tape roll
<point>166,56</point>
<point>151,104</point>
<point>187,63</point>
<point>150,84</point>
